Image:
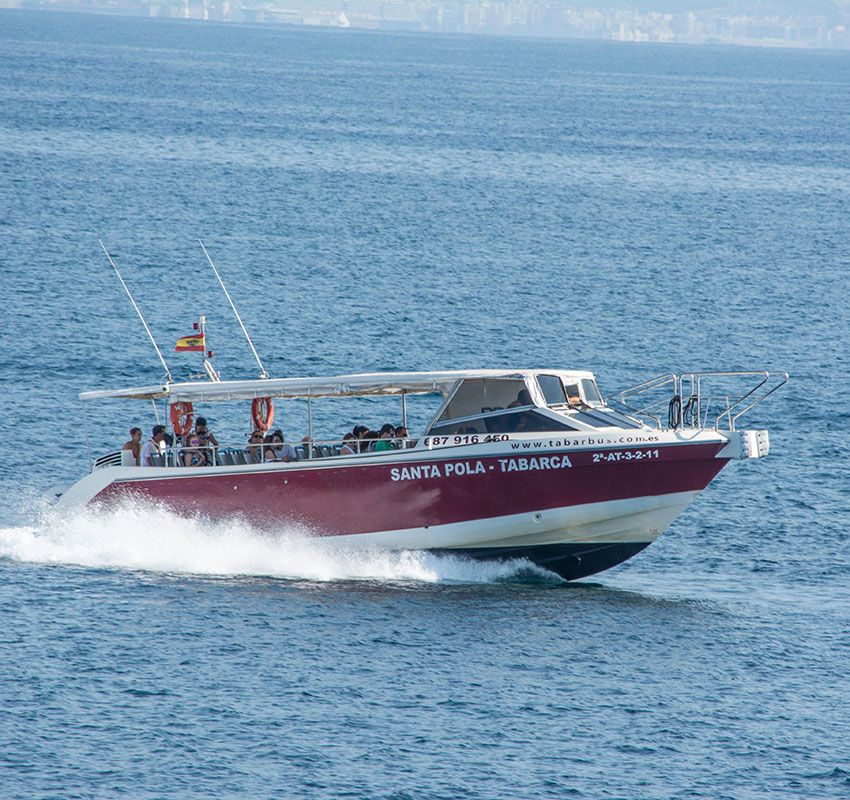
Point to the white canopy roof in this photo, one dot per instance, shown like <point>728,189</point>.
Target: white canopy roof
<point>376,383</point>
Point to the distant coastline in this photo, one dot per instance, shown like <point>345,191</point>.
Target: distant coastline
<point>535,18</point>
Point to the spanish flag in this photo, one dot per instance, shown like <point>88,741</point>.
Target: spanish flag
<point>196,343</point>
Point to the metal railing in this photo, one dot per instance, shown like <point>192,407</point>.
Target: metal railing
<point>258,453</point>
<point>686,399</point>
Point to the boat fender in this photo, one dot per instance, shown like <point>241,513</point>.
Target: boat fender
<point>690,414</point>
<point>262,413</point>
<point>181,417</point>
<point>674,413</point>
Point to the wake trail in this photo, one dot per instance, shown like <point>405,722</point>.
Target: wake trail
<point>145,537</point>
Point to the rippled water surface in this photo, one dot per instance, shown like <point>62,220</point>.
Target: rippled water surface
<point>412,202</point>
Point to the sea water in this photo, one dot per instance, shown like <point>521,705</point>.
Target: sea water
<point>391,201</point>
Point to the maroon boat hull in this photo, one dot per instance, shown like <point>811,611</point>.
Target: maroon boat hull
<point>357,498</point>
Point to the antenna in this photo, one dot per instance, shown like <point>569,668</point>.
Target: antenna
<point>138,311</point>
<point>263,373</point>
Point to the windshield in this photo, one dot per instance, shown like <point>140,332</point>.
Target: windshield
<point>552,389</point>
<point>591,391</point>
<point>477,396</point>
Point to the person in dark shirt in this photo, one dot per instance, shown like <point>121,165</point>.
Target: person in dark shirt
<point>360,432</point>
<point>523,398</point>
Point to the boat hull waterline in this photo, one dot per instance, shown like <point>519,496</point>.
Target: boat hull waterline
<point>574,510</point>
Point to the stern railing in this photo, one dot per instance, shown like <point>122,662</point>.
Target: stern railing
<point>687,400</point>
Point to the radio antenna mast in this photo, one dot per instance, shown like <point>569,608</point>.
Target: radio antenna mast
<point>138,311</point>
<point>263,373</point>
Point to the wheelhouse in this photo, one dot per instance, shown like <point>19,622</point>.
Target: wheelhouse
<point>532,402</point>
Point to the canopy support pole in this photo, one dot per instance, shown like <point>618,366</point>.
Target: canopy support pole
<point>88,441</point>
<point>309,447</point>
<point>404,408</point>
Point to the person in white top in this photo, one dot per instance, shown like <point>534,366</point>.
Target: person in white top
<point>278,451</point>
<point>349,445</point>
<point>153,446</point>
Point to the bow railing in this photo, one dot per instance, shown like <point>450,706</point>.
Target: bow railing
<point>688,400</point>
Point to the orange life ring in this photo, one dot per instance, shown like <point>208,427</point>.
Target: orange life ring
<point>181,418</point>
<point>262,413</point>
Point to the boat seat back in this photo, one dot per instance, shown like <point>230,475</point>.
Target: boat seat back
<point>112,459</point>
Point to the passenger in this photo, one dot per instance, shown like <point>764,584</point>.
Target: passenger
<point>268,443</point>
<point>134,445</point>
<point>154,447</point>
<point>255,446</point>
<point>573,396</point>
<point>349,445</point>
<point>278,450</point>
<point>367,443</point>
<point>208,440</point>
<point>194,453</point>
<point>385,442</point>
<point>401,437</point>
<point>360,432</point>
<point>523,398</point>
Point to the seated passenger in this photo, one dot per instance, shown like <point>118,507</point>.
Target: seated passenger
<point>386,435</point>
<point>573,396</point>
<point>523,398</point>
<point>359,432</point>
<point>349,445</point>
<point>208,440</point>
<point>367,442</point>
<point>278,451</point>
<point>401,437</point>
<point>154,447</point>
<point>195,454</point>
<point>134,445</point>
<point>255,446</point>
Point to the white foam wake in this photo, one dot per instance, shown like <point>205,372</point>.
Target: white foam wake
<point>143,537</point>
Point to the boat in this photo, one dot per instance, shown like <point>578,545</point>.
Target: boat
<point>515,464</point>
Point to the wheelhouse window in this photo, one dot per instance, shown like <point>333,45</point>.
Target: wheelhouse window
<point>507,422</point>
<point>573,393</point>
<point>591,391</point>
<point>552,388</point>
<point>481,396</point>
